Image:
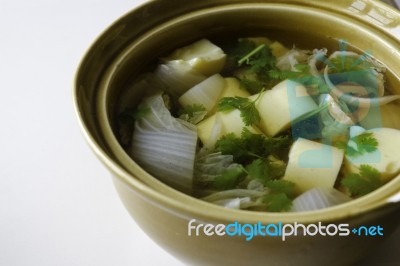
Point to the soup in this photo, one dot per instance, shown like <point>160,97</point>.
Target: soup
<point>258,125</point>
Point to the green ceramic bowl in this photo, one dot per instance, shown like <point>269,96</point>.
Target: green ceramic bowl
<point>133,43</point>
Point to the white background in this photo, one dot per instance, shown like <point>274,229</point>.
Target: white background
<point>57,202</point>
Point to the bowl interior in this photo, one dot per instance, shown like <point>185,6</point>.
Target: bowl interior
<point>306,26</point>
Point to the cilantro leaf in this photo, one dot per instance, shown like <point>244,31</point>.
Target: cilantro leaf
<point>277,202</point>
<point>240,49</point>
<point>257,169</point>
<point>359,145</point>
<point>259,59</point>
<point>281,186</point>
<point>230,178</point>
<point>232,145</point>
<point>252,86</point>
<point>280,191</point>
<point>366,181</point>
<point>249,146</point>
<point>247,108</point>
<point>303,76</point>
<point>265,170</point>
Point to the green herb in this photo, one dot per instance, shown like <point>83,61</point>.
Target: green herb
<point>281,186</point>
<point>302,71</point>
<point>247,108</point>
<point>260,60</point>
<point>249,146</point>
<point>253,86</point>
<point>230,178</point>
<point>257,169</point>
<point>241,48</point>
<point>129,116</point>
<point>247,58</point>
<point>367,180</point>
<point>363,143</point>
<point>265,170</point>
<point>280,191</point>
<point>301,75</point>
<point>277,202</point>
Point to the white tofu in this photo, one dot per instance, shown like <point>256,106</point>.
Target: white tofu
<point>230,122</point>
<point>233,88</point>
<point>312,164</point>
<point>386,159</point>
<point>287,101</point>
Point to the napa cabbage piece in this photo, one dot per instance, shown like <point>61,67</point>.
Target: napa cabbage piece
<point>318,198</point>
<point>177,76</point>
<point>189,65</point>
<point>206,93</point>
<point>165,146</point>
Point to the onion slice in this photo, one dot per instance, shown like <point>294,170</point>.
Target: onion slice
<point>357,101</point>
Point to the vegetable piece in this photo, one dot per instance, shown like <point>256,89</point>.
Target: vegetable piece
<point>359,184</point>
<point>265,170</point>
<point>235,203</point>
<point>250,146</point>
<point>382,152</point>
<point>318,198</point>
<point>233,193</point>
<point>359,145</point>
<point>233,89</point>
<point>193,113</point>
<point>203,56</point>
<point>222,123</point>
<point>255,67</point>
<point>259,60</point>
<point>277,202</point>
<point>206,93</point>
<point>177,76</point>
<point>229,178</point>
<point>312,164</point>
<point>210,165</point>
<point>165,146</point>
<point>247,108</point>
<point>280,106</point>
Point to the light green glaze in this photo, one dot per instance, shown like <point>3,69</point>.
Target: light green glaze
<point>152,30</point>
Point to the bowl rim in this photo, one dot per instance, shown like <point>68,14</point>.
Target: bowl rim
<point>189,206</point>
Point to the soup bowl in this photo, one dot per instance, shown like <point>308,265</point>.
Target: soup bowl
<point>194,231</point>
